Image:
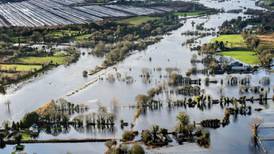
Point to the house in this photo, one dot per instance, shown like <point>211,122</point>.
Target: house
<point>238,67</point>
<point>34,128</point>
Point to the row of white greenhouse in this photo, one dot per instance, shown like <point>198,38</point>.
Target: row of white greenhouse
<point>36,13</point>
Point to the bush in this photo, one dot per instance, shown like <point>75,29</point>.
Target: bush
<point>204,140</point>
<point>110,143</point>
<point>183,118</point>
<point>128,136</point>
<point>146,136</point>
<point>137,149</point>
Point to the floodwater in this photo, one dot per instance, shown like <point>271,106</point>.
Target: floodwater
<point>168,53</point>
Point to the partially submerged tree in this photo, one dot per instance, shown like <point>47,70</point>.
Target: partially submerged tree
<point>183,118</point>
<point>30,119</point>
<point>255,124</point>
<point>2,142</point>
<point>137,149</point>
<point>128,135</point>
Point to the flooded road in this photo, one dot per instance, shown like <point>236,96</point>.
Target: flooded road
<point>168,53</point>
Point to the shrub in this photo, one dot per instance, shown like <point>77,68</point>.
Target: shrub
<point>146,136</point>
<point>204,140</point>
<point>183,118</point>
<point>110,143</point>
<point>128,136</point>
<point>137,149</point>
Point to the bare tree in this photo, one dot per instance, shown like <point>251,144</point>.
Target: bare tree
<point>255,124</point>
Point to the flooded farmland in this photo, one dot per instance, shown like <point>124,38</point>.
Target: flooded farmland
<point>98,90</point>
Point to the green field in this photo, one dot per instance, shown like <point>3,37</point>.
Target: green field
<point>186,14</point>
<point>20,68</point>
<point>242,54</point>
<point>59,60</point>
<point>82,37</point>
<point>61,33</point>
<point>9,75</point>
<point>25,136</point>
<point>52,34</point>
<point>16,39</point>
<point>231,41</point>
<point>137,20</point>
<point>248,57</point>
<point>23,66</point>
